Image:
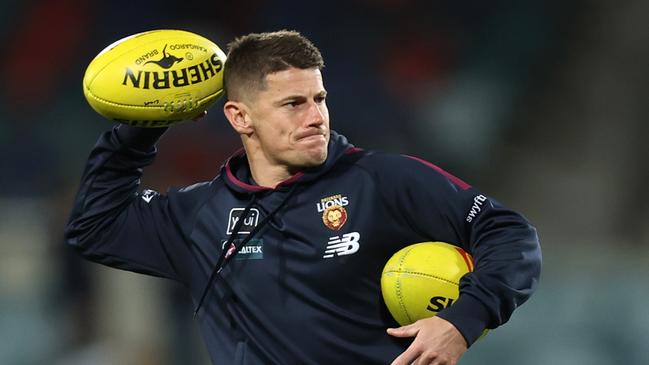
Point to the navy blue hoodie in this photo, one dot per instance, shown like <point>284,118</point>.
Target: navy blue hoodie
<point>305,289</point>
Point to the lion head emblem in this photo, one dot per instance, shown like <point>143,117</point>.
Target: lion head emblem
<point>334,217</point>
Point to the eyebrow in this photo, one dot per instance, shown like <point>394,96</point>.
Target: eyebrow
<point>322,93</point>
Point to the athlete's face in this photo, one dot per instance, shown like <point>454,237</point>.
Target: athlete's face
<point>290,118</point>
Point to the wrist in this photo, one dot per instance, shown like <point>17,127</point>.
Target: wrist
<point>142,139</point>
<point>469,316</point>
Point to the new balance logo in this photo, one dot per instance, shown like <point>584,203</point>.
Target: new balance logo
<point>340,246</point>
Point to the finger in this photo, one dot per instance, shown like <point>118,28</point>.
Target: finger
<point>407,357</point>
<point>410,330</point>
<point>426,358</point>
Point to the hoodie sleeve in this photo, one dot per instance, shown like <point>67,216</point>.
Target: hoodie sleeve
<point>504,245</point>
<point>111,223</point>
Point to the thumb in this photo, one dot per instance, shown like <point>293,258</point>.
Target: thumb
<point>410,330</point>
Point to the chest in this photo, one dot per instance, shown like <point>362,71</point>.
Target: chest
<point>326,232</point>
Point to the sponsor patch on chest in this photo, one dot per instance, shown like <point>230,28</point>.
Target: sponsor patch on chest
<point>254,250</point>
<point>249,222</point>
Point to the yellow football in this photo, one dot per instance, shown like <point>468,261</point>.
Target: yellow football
<point>156,78</point>
<point>422,279</point>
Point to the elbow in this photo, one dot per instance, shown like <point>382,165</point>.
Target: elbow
<point>79,237</point>
<point>532,263</point>
<point>535,255</point>
<point>73,237</point>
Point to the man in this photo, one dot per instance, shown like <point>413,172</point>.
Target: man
<point>250,244</point>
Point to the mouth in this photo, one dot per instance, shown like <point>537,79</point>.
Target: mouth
<point>311,136</point>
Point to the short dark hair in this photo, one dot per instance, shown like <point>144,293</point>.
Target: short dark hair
<point>254,56</point>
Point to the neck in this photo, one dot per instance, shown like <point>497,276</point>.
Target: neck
<point>268,175</point>
<point>265,172</point>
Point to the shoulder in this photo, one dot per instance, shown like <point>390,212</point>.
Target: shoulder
<point>380,160</point>
<point>404,168</point>
<point>191,197</point>
<point>374,161</point>
<point>186,203</point>
<point>195,189</point>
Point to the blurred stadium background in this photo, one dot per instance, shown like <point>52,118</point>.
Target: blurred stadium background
<point>541,104</point>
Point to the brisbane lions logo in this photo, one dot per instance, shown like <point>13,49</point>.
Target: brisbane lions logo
<point>334,217</point>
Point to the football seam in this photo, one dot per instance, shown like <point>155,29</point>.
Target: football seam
<point>401,301</point>
<point>424,274</point>
<point>131,49</point>
<point>199,101</point>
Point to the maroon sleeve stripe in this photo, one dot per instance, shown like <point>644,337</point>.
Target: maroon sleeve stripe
<point>455,180</point>
<point>468,260</point>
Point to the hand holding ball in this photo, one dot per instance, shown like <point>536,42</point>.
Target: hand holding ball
<point>156,78</point>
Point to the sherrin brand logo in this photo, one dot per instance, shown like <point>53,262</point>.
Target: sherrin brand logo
<point>147,79</point>
<point>167,60</point>
<point>334,215</point>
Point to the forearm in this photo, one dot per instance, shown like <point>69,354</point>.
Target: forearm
<point>507,253</point>
<point>110,180</point>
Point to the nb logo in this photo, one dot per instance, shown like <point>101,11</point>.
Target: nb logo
<point>340,246</point>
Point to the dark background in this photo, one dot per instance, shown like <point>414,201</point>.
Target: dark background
<point>541,104</point>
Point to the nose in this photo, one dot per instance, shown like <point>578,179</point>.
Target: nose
<point>317,114</point>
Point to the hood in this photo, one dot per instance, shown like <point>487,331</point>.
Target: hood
<point>237,176</point>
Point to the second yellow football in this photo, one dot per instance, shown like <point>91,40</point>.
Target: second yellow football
<point>422,279</point>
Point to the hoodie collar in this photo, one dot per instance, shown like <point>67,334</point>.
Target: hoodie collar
<point>237,175</point>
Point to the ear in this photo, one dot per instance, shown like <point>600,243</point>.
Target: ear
<point>238,116</point>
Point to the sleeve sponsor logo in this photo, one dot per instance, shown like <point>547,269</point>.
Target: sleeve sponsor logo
<point>148,194</point>
<point>476,208</point>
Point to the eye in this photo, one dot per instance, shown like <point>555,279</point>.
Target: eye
<point>320,99</point>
